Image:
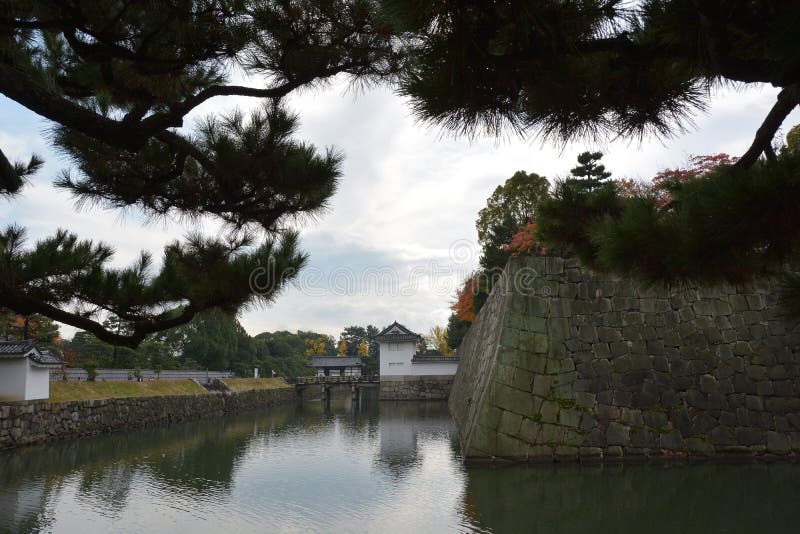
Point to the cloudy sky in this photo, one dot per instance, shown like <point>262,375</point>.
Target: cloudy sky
<point>400,233</point>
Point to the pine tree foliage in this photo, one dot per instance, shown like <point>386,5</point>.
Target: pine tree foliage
<point>715,227</point>
<point>117,79</point>
<point>589,173</point>
<point>619,69</point>
<point>590,68</point>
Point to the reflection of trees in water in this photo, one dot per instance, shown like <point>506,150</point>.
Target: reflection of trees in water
<point>197,457</point>
<point>635,498</point>
<point>199,460</point>
<point>402,424</point>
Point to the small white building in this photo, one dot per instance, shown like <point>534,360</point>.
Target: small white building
<point>398,355</point>
<point>25,371</point>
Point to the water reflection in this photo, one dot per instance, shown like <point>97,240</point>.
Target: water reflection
<point>345,467</point>
<point>652,498</point>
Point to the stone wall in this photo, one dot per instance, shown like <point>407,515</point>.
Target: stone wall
<point>39,421</point>
<point>415,387</point>
<point>562,364</point>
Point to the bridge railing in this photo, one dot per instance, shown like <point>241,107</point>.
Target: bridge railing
<point>304,380</point>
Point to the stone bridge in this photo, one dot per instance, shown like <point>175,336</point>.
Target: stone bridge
<point>325,384</point>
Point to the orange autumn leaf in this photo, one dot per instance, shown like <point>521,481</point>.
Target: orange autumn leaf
<point>464,305</point>
<point>524,242</point>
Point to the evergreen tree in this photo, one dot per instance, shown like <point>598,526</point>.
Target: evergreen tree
<point>456,330</point>
<point>589,173</point>
<point>117,79</point>
<point>601,68</point>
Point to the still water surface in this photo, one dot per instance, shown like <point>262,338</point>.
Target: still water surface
<point>384,467</point>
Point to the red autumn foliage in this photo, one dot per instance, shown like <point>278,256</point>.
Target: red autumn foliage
<point>698,166</point>
<point>524,242</point>
<point>658,187</point>
<point>464,306</point>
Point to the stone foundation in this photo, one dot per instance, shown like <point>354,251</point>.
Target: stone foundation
<point>562,364</point>
<point>415,387</point>
<point>25,423</point>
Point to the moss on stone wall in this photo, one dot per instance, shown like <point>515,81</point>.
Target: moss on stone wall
<point>564,364</point>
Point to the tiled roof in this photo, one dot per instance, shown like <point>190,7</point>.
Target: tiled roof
<point>335,361</point>
<point>15,348</point>
<point>396,332</point>
<point>20,349</point>
<point>425,358</point>
<point>46,357</point>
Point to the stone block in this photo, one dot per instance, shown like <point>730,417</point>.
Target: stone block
<point>709,384</point>
<point>654,419</point>
<point>783,388</point>
<point>618,434</point>
<point>510,423</point>
<point>534,323</point>
<point>540,343</point>
<point>623,398</point>
<point>764,388</point>
<point>738,303</point>
<point>749,436</point>
<point>569,417</point>
<point>585,399</point>
<point>703,308</point>
<point>554,265</point>
<point>699,446</point>
<point>530,431</point>
<point>549,411</point>
<point>631,417</point>
<point>523,379</point>
<point>552,434</point>
<point>601,367</point>
<point>510,447</point>
<point>756,372</point>
<point>778,443</point>
<point>591,453</point>
<point>601,350</point>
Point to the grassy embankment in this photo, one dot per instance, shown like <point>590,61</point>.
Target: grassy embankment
<point>246,384</point>
<point>75,391</point>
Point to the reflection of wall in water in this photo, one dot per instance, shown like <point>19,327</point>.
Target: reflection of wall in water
<point>630,499</point>
<point>402,424</point>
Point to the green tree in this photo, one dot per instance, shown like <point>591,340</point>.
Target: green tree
<point>510,206</point>
<point>117,80</point>
<point>589,173</point>
<point>573,70</point>
<point>86,348</point>
<point>285,352</point>
<point>37,327</point>
<point>793,138</point>
<point>213,341</point>
<point>456,330</point>
<point>355,337</point>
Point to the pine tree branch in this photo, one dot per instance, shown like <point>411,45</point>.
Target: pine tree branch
<point>788,98</point>
<point>27,305</point>
<point>10,181</point>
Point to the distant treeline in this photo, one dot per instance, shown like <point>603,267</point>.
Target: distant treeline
<point>217,342</point>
